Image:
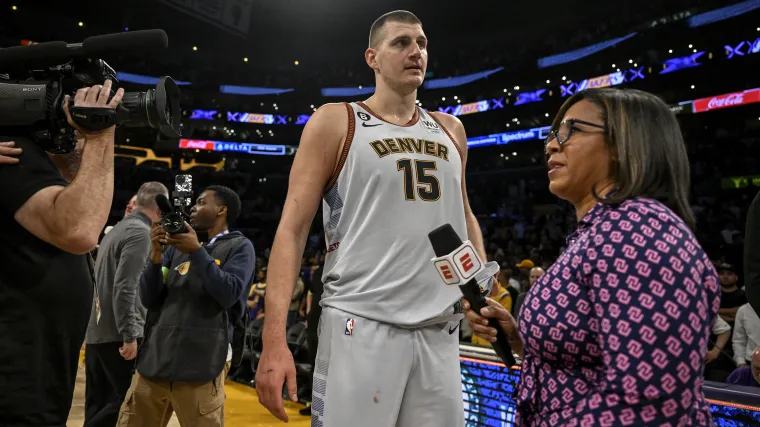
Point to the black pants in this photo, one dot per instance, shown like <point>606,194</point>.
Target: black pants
<point>108,377</point>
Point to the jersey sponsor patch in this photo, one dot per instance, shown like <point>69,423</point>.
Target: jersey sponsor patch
<point>349,327</point>
<point>431,126</point>
<point>364,117</point>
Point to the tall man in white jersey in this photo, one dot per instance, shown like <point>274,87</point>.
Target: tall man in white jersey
<point>388,173</point>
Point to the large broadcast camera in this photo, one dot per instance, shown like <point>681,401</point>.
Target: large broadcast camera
<point>40,75</point>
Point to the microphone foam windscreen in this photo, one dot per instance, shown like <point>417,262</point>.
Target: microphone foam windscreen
<point>33,56</point>
<point>144,41</point>
<point>163,204</point>
<point>444,240</point>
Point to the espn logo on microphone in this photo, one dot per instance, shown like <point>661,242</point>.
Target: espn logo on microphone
<point>459,266</point>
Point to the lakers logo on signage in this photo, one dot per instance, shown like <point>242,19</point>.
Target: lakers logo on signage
<point>183,268</point>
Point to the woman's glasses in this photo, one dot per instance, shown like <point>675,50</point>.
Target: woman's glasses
<point>566,129</point>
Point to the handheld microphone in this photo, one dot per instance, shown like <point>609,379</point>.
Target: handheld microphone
<point>446,242</point>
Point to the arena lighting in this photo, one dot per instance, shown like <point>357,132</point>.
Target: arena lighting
<point>675,64</point>
<point>529,97</point>
<point>236,147</point>
<point>203,115</point>
<point>474,107</point>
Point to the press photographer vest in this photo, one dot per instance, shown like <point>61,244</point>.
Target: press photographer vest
<point>188,337</point>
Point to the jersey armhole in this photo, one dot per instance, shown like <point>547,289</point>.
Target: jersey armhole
<point>346,146</point>
<point>451,137</point>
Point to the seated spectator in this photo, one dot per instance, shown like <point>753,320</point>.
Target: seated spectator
<point>746,336</point>
<point>731,296</point>
<point>257,294</point>
<point>718,362</point>
<point>503,297</point>
<point>747,375</point>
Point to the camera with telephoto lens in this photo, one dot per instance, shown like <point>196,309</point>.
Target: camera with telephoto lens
<point>174,215</point>
<point>40,75</point>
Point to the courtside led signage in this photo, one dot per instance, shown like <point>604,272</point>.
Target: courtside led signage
<point>727,100</point>
<point>236,147</point>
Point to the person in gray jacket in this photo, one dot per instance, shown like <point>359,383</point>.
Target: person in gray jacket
<point>118,317</point>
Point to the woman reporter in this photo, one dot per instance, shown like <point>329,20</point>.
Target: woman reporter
<point>616,330</point>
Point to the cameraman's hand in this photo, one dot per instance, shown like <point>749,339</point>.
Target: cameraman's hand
<point>157,238</point>
<point>96,97</point>
<point>8,149</point>
<point>186,242</point>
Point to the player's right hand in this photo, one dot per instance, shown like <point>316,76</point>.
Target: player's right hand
<point>157,239</point>
<point>479,322</point>
<point>275,367</point>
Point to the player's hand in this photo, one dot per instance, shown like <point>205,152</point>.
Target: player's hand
<point>8,149</point>
<point>186,242</point>
<point>479,322</point>
<point>157,238</point>
<point>275,367</point>
<point>129,350</point>
<point>96,97</point>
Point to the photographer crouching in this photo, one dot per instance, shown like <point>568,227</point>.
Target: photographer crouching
<point>194,294</point>
<point>51,215</point>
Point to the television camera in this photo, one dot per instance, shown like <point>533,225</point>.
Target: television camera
<point>40,75</point>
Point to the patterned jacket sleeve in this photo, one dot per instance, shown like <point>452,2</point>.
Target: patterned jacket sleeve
<point>650,290</point>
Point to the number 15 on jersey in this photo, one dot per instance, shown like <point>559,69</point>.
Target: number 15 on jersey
<point>418,181</point>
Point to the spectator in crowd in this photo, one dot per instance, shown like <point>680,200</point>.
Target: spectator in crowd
<point>524,267</point>
<point>295,301</point>
<point>504,298</point>
<point>746,336</point>
<point>752,254</point>
<point>747,375</point>
<point>718,362</point>
<point>313,311</point>
<point>130,206</point>
<point>534,275</point>
<point>118,317</point>
<point>731,296</point>
<point>257,294</point>
<point>194,295</point>
<point>505,277</point>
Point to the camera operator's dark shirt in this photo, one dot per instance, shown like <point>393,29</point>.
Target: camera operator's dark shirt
<point>45,301</point>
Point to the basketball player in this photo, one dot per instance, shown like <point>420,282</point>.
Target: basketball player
<point>388,173</point>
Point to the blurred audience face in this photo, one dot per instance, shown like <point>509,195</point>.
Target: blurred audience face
<point>727,278</point>
<point>583,161</point>
<point>535,274</point>
<point>130,205</point>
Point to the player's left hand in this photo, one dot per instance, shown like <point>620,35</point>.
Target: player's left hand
<point>186,242</point>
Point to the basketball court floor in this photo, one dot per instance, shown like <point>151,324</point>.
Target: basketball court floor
<point>242,408</point>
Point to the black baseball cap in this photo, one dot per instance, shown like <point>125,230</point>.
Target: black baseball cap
<point>724,266</point>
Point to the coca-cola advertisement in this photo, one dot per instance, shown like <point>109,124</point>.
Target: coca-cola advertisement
<point>727,100</point>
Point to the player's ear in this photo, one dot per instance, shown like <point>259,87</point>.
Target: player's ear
<point>370,55</point>
<point>222,210</point>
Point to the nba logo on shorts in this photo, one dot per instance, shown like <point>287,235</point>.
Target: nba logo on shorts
<point>349,327</point>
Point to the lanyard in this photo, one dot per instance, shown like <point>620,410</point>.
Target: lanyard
<point>218,236</point>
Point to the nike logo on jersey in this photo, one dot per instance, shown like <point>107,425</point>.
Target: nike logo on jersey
<point>364,117</point>
<point>452,330</point>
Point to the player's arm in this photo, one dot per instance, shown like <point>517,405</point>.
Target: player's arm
<point>455,127</point>
<point>312,167</point>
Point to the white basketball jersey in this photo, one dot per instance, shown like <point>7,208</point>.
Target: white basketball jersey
<point>394,185</point>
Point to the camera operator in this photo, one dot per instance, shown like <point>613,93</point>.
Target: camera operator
<point>46,281</point>
<point>193,294</point>
<point>8,149</point>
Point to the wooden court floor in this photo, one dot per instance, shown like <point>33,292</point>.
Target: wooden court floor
<point>242,408</point>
